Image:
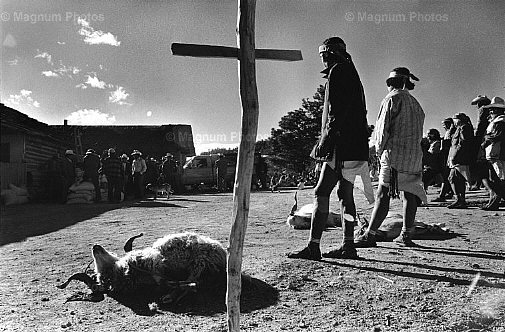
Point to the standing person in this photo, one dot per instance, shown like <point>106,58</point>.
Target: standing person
<point>494,145</point>
<point>91,162</point>
<point>342,147</point>
<point>67,169</point>
<point>398,135</point>
<point>221,170</point>
<point>112,170</point>
<point>139,168</point>
<point>461,156</point>
<point>432,162</point>
<point>445,189</point>
<point>126,169</point>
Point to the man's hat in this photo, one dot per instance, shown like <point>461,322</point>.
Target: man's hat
<point>333,45</point>
<point>112,151</point>
<point>90,151</point>
<point>402,72</point>
<point>136,152</point>
<point>496,102</point>
<point>480,99</point>
<point>70,152</point>
<point>124,156</point>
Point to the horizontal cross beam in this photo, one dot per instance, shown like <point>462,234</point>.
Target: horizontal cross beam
<point>212,51</point>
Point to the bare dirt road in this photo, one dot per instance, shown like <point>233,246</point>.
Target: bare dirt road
<point>456,284</point>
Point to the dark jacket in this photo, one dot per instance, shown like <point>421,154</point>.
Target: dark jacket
<point>112,168</point>
<point>91,164</point>
<point>462,146</point>
<point>344,124</point>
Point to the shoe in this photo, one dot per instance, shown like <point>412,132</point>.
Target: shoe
<point>493,205</point>
<point>365,241</point>
<point>458,205</point>
<point>405,240</point>
<point>449,195</point>
<point>439,199</point>
<point>313,254</point>
<point>343,252</point>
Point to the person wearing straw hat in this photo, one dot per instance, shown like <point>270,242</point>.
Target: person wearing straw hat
<point>342,148</point>
<point>139,168</point>
<point>494,146</point>
<point>398,135</point>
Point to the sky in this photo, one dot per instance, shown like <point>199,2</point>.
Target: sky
<point>109,62</point>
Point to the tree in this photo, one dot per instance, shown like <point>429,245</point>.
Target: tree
<point>290,145</point>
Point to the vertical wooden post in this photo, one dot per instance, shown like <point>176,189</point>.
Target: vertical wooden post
<point>245,161</point>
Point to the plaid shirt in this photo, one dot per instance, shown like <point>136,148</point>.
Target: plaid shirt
<point>399,130</point>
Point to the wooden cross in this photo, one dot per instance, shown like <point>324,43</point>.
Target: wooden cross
<point>247,55</point>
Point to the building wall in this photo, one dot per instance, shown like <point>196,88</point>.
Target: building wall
<point>14,170</point>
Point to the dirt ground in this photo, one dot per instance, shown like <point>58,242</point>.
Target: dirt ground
<point>391,289</point>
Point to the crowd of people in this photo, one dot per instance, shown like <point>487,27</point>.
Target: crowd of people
<point>125,176</point>
<point>404,162</point>
<point>468,158</point>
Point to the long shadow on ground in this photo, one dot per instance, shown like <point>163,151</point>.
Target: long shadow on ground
<point>256,294</point>
<point>417,275</point>
<point>23,221</point>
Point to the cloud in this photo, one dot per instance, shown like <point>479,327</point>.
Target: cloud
<point>95,37</point>
<point>24,97</point>
<point>149,113</point>
<point>60,43</point>
<point>45,55</point>
<point>119,96</point>
<point>90,117</point>
<point>49,73</point>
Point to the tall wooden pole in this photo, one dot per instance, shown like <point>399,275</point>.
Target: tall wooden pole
<point>245,161</point>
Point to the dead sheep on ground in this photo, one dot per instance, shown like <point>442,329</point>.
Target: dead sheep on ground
<point>173,266</point>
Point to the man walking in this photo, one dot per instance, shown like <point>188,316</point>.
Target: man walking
<point>342,147</point>
<point>398,135</point>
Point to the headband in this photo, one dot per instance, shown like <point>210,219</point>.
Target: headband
<point>394,74</point>
<point>332,48</point>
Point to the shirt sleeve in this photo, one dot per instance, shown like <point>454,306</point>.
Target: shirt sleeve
<point>383,125</point>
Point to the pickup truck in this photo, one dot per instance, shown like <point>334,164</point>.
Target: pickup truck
<point>201,169</point>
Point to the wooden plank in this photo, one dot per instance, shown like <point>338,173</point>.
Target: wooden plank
<point>206,51</point>
<point>245,159</point>
<point>212,51</point>
<point>281,55</point>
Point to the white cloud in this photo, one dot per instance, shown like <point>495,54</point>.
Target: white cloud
<point>149,113</point>
<point>60,43</point>
<point>45,55</point>
<point>24,97</point>
<point>93,82</point>
<point>90,117</point>
<point>49,73</point>
<point>119,96</point>
<point>95,37</point>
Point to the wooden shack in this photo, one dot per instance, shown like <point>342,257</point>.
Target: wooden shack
<point>26,147</point>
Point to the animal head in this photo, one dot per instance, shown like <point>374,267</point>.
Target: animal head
<point>105,265</point>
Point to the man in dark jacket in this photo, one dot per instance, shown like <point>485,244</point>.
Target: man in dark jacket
<point>91,163</point>
<point>461,156</point>
<point>112,170</point>
<point>343,146</point>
